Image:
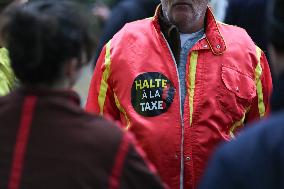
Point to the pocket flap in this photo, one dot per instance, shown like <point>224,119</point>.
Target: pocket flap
<point>242,85</point>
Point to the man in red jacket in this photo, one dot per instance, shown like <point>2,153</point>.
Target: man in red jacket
<point>182,83</point>
<point>47,141</point>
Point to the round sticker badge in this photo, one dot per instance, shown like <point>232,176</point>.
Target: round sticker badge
<point>152,93</point>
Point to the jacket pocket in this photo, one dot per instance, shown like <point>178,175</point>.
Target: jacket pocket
<point>236,93</point>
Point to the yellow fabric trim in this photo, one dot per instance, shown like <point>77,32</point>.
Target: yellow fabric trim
<point>122,111</point>
<point>192,77</point>
<point>7,77</point>
<point>105,76</point>
<point>4,88</point>
<point>258,72</point>
<point>236,125</point>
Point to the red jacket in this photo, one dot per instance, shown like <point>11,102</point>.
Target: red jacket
<point>47,141</point>
<point>136,82</point>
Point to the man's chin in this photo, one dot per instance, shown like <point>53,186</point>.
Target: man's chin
<point>182,15</point>
<point>182,19</point>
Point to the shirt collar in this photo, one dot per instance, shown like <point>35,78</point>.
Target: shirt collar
<point>67,94</point>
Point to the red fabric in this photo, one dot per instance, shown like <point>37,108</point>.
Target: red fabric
<point>114,180</point>
<point>21,142</point>
<point>224,91</point>
<point>66,147</point>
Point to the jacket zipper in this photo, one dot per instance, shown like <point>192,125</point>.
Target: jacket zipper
<point>181,118</point>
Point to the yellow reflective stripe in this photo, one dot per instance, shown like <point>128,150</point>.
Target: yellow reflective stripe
<point>236,125</point>
<point>123,111</point>
<point>258,72</point>
<point>105,76</point>
<point>192,77</point>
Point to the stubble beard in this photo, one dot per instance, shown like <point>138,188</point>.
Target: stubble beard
<point>185,24</point>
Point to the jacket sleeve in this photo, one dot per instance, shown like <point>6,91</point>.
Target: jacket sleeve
<point>101,97</point>
<point>261,103</point>
<point>137,171</point>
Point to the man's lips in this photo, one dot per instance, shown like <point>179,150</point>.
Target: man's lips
<point>181,3</point>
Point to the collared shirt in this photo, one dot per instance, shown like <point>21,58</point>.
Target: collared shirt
<point>187,42</point>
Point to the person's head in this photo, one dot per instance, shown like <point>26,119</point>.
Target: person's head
<point>187,15</point>
<point>275,30</point>
<point>6,4</point>
<point>48,42</point>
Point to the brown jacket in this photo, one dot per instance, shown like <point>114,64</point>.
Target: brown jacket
<point>48,142</point>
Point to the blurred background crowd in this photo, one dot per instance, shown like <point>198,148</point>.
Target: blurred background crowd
<point>109,16</point>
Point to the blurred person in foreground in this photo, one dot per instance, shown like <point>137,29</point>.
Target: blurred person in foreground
<point>182,83</point>
<point>256,158</point>
<point>47,140</point>
<point>7,78</point>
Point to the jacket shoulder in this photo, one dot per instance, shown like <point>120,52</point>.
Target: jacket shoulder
<point>133,30</point>
<point>134,38</point>
<point>105,129</point>
<point>234,35</point>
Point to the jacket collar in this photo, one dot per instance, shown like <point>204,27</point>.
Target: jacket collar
<point>68,95</point>
<point>213,37</point>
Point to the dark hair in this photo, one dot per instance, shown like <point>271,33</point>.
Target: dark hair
<point>42,35</point>
<point>4,4</point>
<point>275,27</point>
